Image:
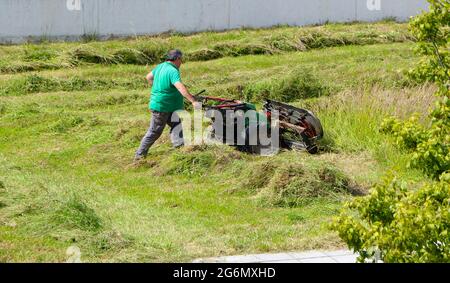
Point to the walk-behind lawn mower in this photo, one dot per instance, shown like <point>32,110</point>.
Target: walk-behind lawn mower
<point>298,128</point>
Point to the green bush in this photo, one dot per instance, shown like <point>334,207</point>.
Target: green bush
<point>407,134</point>
<point>433,154</point>
<point>430,147</point>
<point>397,223</point>
<point>402,225</point>
<point>432,31</point>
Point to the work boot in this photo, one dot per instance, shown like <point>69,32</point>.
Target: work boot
<point>178,145</point>
<point>139,158</point>
<point>138,161</point>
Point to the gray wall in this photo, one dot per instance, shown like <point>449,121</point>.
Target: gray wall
<point>22,20</point>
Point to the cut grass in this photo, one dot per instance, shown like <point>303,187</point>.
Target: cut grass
<point>289,182</point>
<point>199,47</point>
<point>36,83</point>
<point>67,139</point>
<point>300,75</point>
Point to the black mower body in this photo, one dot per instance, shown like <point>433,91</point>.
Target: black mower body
<point>298,128</point>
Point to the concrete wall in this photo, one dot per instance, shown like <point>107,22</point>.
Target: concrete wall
<point>22,20</point>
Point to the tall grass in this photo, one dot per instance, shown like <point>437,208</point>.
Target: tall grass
<point>352,119</point>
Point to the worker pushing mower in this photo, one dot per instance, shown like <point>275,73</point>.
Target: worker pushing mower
<point>166,98</point>
<point>297,128</point>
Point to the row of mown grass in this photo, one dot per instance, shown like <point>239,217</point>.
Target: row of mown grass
<point>200,47</point>
<point>286,77</point>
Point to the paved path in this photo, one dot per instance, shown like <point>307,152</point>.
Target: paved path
<point>340,256</point>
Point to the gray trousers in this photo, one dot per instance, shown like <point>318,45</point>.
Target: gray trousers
<point>158,122</point>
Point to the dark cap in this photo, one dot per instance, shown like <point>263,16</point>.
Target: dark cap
<point>174,54</point>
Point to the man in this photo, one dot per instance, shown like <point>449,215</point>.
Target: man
<point>166,97</point>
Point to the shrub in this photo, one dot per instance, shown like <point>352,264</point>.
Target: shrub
<point>412,225</point>
<point>430,147</point>
<point>432,31</point>
<point>407,134</point>
<point>402,225</point>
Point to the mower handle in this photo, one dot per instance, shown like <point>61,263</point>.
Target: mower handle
<point>203,91</point>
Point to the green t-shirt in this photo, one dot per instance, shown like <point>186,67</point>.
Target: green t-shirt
<point>164,96</point>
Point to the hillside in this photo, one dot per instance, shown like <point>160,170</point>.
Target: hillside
<point>72,116</point>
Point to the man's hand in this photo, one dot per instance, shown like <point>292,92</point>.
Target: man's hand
<point>197,105</point>
<point>183,90</point>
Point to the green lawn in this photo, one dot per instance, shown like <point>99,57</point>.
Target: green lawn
<point>68,135</point>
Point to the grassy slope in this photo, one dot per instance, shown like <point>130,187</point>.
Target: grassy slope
<point>65,157</point>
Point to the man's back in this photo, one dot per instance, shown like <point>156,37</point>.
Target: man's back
<point>165,96</point>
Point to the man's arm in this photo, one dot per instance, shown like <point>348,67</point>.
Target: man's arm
<point>150,78</point>
<point>183,90</point>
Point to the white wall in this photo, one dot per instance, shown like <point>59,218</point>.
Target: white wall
<point>22,20</point>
